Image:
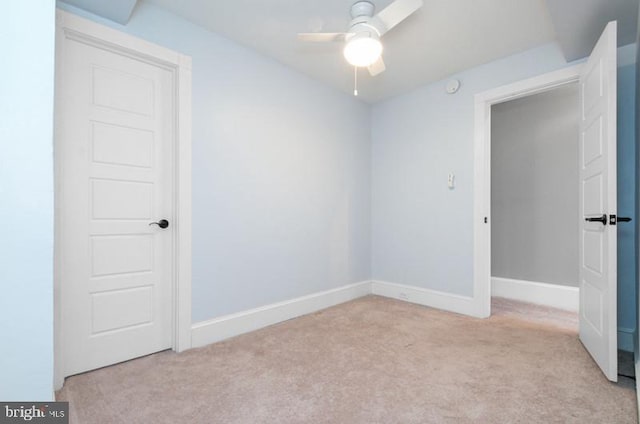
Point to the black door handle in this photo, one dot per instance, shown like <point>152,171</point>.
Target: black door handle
<point>613,220</point>
<point>163,223</point>
<point>602,219</point>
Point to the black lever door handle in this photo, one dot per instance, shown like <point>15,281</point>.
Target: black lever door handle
<point>602,219</point>
<point>163,223</point>
<point>624,219</point>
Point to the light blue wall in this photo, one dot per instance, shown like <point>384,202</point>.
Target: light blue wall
<point>281,173</point>
<point>627,256</point>
<point>637,205</point>
<point>422,232</point>
<point>26,208</point>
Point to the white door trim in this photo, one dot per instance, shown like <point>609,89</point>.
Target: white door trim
<point>69,26</point>
<point>482,171</point>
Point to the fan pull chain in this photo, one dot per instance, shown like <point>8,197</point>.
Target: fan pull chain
<point>355,80</point>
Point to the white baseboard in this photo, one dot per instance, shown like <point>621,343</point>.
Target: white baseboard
<point>427,297</point>
<point>561,297</point>
<point>217,329</point>
<point>626,339</point>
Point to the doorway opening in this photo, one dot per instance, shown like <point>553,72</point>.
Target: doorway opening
<point>535,229</point>
<point>482,169</point>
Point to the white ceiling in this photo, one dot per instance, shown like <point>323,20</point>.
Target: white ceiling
<point>444,37</point>
<point>579,23</point>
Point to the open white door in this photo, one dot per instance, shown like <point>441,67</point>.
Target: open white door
<point>598,207</point>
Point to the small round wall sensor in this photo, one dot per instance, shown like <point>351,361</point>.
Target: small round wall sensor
<point>453,86</point>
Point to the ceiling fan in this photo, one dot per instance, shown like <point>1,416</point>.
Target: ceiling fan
<point>362,41</point>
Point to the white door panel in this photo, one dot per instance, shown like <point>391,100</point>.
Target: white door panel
<point>598,274</point>
<point>116,131</point>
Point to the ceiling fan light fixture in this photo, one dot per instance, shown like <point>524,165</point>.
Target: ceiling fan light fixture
<point>363,49</point>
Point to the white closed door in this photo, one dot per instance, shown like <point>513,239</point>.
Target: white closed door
<point>598,237</point>
<point>114,138</point>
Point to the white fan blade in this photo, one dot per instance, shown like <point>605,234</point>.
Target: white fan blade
<point>395,13</point>
<point>377,67</point>
<point>322,37</point>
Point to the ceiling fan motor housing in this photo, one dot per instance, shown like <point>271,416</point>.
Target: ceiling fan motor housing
<point>364,29</point>
<point>362,9</point>
<point>361,13</point>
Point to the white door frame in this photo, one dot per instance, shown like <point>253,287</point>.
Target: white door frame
<point>482,171</point>
<point>72,27</point>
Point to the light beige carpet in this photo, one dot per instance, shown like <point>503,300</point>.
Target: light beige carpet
<point>501,307</point>
<point>373,360</point>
